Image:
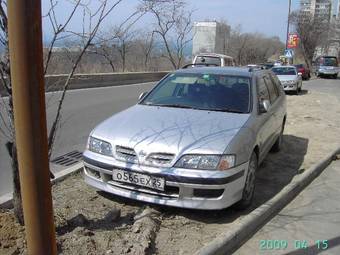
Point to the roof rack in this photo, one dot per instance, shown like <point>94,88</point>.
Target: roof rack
<point>199,64</point>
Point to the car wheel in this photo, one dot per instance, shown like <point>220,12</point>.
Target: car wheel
<point>249,186</point>
<point>335,76</point>
<point>278,143</point>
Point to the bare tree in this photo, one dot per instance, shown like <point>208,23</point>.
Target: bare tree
<point>107,52</point>
<point>252,48</point>
<point>173,25</point>
<point>122,43</point>
<point>92,19</point>
<point>312,33</point>
<point>145,43</point>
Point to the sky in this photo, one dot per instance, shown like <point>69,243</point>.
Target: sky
<point>268,17</point>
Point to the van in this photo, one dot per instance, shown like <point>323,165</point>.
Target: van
<point>326,66</point>
<point>213,59</point>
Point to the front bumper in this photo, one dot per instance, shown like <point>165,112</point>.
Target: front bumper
<point>208,190</point>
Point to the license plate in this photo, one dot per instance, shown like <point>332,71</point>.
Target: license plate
<point>138,179</point>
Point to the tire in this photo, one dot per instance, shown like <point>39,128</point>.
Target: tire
<point>297,91</point>
<point>278,143</point>
<point>335,76</point>
<point>249,186</point>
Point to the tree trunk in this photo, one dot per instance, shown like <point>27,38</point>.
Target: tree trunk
<point>17,202</point>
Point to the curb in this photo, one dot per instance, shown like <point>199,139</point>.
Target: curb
<point>6,200</point>
<point>229,242</point>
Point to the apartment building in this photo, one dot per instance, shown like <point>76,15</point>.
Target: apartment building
<point>319,9</point>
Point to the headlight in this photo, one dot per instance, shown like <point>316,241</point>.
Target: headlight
<point>206,162</point>
<point>99,146</point>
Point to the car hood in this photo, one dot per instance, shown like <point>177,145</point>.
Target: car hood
<point>178,131</point>
<point>287,77</point>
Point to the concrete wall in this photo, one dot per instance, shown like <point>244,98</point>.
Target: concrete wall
<point>81,81</point>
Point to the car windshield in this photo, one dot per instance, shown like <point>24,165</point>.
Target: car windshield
<point>208,60</point>
<point>202,91</point>
<point>330,61</point>
<point>284,71</point>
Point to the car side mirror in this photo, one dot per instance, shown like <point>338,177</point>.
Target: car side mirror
<point>142,95</point>
<point>300,74</point>
<point>264,106</point>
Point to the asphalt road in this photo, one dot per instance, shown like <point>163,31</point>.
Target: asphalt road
<point>330,86</point>
<point>83,110</point>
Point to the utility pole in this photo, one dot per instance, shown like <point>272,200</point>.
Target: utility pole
<point>288,22</point>
<point>26,57</point>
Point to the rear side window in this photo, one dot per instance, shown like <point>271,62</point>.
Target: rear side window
<point>262,90</point>
<point>273,94</point>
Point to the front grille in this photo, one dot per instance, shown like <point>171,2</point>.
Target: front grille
<point>126,153</point>
<point>160,159</point>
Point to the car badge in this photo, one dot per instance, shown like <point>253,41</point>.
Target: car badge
<point>142,154</point>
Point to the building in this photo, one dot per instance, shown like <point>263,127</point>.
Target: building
<point>319,9</point>
<point>210,37</point>
<point>336,9</point>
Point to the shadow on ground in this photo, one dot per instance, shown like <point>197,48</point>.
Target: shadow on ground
<point>301,93</point>
<point>275,172</point>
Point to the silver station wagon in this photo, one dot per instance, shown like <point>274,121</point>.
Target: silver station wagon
<point>194,141</point>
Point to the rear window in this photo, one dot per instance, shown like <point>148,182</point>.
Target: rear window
<point>328,61</point>
<point>284,70</point>
<point>208,60</point>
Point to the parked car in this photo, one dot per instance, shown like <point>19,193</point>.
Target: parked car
<point>326,66</point>
<point>255,66</point>
<point>213,58</point>
<point>303,69</point>
<point>268,65</point>
<point>194,141</point>
<point>289,77</point>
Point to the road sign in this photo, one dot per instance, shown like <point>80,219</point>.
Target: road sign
<point>292,41</point>
<point>289,53</point>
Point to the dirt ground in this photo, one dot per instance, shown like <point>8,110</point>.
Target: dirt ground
<point>92,222</point>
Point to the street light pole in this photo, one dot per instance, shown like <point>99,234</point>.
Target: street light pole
<point>26,59</point>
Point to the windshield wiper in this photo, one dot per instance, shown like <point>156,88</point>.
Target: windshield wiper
<point>171,105</point>
<point>226,110</point>
<point>176,106</point>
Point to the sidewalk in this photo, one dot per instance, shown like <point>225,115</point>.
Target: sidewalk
<point>310,224</point>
